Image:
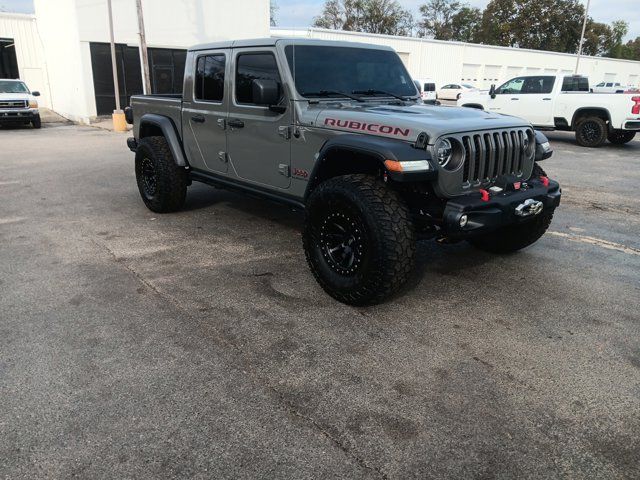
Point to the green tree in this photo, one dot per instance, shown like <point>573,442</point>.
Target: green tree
<point>437,16</point>
<point>631,49</point>
<point>370,16</point>
<point>539,24</point>
<point>465,24</point>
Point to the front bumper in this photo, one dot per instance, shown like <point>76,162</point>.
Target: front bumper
<point>499,210</point>
<point>8,116</point>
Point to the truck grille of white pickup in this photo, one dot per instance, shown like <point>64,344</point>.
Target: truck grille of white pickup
<point>13,104</point>
<point>491,154</point>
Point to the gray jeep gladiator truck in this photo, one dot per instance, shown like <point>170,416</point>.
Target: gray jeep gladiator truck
<point>339,130</point>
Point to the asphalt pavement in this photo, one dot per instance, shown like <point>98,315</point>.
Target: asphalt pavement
<point>197,344</point>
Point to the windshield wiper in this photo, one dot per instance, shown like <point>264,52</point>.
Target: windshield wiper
<point>371,91</point>
<point>328,93</point>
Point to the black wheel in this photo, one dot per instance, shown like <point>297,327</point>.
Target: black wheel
<point>36,122</point>
<point>516,237</point>
<point>358,239</point>
<point>162,184</point>
<point>619,137</point>
<point>591,132</point>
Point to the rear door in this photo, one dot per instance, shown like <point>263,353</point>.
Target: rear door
<point>204,113</point>
<point>258,138</point>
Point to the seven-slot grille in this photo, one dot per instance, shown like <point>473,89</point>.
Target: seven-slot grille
<point>487,155</point>
<point>13,104</point>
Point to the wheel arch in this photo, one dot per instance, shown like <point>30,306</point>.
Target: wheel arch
<point>152,125</point>
<point>350,153</point>
<point>585,112</point>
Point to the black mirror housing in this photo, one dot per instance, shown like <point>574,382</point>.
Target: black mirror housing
<point>35,94</point>
<point>265,92</point>
<point>492,91</point>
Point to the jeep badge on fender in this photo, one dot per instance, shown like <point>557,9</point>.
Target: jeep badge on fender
<point>338,129</point>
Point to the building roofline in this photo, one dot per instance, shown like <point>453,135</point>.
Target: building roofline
<point>448,42</point>
<point>21,16</point>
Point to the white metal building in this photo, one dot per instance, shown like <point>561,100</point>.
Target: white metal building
<point>480,65</point>
<point>63,50</point>
<point>22,53</point>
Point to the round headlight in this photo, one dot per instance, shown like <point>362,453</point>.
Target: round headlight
<point>444,152</point>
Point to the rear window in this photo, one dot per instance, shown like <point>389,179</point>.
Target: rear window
<point>575,84</point>
<point>429,87</point>
<point>209,81</point>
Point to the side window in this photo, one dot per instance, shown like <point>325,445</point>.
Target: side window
<point>511,87</point>
<point>575,84</point>
<point>254,66</point>
<point>537,85</point>
<point>209,81</point>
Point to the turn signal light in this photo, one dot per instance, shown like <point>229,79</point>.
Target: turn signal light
<point>545,181</point>
<point>393,165</point>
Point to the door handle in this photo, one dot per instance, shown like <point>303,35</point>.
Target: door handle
<point>198,118</point>
<point>235,123</point>
<point>546,99</point>
<point>515,99</point>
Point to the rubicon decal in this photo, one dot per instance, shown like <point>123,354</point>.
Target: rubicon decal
<point>367,127</point>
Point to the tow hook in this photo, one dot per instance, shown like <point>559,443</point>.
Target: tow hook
<point>529,207</point>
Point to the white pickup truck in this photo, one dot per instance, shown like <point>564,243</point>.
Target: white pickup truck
<point>560,102</point>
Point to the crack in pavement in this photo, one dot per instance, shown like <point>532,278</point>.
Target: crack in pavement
<point>289,406</point>
<point>597,242</point>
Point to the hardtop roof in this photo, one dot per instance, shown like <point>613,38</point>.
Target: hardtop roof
<point>272,41</point>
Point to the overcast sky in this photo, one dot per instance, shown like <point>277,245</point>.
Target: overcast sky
<point>300,13</point>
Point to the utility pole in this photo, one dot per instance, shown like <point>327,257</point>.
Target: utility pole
<point>584,27</point>
<point>119,122</point>
<point>144,58</point>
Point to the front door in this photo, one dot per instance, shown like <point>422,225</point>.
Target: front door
<point>526,97</point>
<point>258,137</point>
<point>204,111</point>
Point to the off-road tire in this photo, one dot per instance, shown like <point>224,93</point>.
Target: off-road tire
<point>591,132</point>
<point>36,122</point>
<point>619,137</point>
<point>167,190</point>
<point>384,239</point>
<point>516,237</point>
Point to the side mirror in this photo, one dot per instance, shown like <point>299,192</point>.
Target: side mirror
<point>492,91</point>
<point>35,94</point>
<point>266,93</point>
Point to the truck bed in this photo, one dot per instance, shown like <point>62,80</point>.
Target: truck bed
<point>168,105</point>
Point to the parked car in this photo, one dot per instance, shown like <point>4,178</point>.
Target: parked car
<point>454,91</point>
<point>558,102</point>
<point>608,87</point>
<point>427,88</point>
<point>18,105</point>
<point>338,130</point>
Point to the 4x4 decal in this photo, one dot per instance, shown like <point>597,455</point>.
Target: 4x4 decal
<point>367,127</point>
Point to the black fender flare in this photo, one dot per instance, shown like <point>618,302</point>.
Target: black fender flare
<point>170,133</point>
<point>378,149</point>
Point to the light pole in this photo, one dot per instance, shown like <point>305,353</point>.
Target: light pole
<point>119,122</point>
<point>584,27</point>
<point>144,58</point>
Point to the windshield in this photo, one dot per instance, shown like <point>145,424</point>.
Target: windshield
<point>13,87</point>
<point>321,70</point>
